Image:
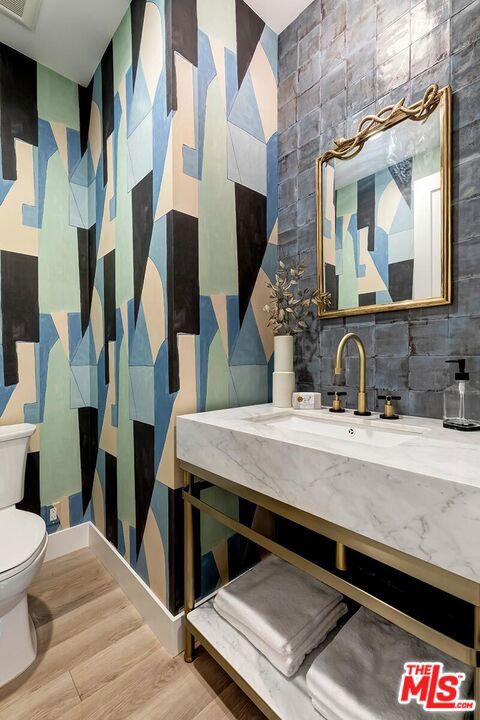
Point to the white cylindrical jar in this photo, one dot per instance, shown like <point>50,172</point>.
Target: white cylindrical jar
<point>283,376</point>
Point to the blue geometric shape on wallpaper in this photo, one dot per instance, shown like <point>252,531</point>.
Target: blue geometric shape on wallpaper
<point>142,402</point>
<point>120,538</point>
<point>158,248</point>
<point>83,172</point>
<point>380,254</point>
<point>269,42</point>
<point>272,183</point>
<point>250,384</point>
<point>269,263</point>
<point>97,88</point>
<point>162,123</point>
<point>74,333</point>
<point>79,210</point>
<point>245,113</point>
<point>5,392</point>
<point>383,297</point>
<point>210,574</point>
<point>85,353</point>
<point>159,507</point>
<point>83,392</point>
<point>131,324</point>
<point>138,101</point>
<point>338,233</point>
<point>132,534</point>
<point>100,192</point>
<point>48,338</point>
<point>141,351</point>
<point>117,110</point>
<point>403,219</point>
<point>248,348</point>
<point>47,146</point>
<point>140,151</point>
<point>141,565</point>
<point>209,326</point>
<point>163,402</point>
<point>75,508</point>
<point>73,152</point>
<point>231,78</point>
<point>353,231</point>
<point>233,321</point>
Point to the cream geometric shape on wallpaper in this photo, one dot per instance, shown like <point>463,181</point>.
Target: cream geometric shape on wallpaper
<point>15,236</point>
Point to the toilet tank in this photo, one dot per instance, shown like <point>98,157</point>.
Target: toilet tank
<point>14,441</point>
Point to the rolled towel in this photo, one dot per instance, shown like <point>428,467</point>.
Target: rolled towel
<point>281,604</point>
<point>289,664</point>
<point>358,675</point>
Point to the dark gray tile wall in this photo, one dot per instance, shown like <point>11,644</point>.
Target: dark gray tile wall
<point>340,60</point>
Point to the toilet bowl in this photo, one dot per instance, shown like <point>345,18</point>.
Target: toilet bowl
<point>23,544</point>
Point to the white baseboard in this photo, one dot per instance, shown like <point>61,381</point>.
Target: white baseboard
<point>168,628</point>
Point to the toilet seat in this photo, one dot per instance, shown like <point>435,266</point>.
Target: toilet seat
<point>23,536</point>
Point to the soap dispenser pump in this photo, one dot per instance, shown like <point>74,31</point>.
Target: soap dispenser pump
<point>462,402</point>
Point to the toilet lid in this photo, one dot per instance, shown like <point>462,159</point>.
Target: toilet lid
<point>22,534</point>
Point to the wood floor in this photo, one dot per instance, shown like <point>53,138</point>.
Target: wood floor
<point>97,659</point>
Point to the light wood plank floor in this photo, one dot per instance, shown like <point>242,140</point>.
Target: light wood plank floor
<point>98,659</point>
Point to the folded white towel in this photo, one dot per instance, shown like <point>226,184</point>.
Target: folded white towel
<point>288,664</point>
<point>358,675</point>
<point>282,604</point>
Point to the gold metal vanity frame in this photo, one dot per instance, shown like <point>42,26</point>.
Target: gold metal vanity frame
<point>459,587</point>
<point>347,148</point>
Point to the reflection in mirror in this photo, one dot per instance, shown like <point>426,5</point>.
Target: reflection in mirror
<point>384,210</point>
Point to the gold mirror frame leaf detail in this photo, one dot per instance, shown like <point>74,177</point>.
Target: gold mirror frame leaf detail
<point>348,148</point>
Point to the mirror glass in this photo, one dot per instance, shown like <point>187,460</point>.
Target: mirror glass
<point>383,237</point>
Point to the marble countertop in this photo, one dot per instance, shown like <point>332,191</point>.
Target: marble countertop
<point>421,497</point>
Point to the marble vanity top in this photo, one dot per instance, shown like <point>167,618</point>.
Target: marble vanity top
<point>417,490</point>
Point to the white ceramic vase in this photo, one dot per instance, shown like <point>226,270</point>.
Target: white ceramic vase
<point>283,376</point>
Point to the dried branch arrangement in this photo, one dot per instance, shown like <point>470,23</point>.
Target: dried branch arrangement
<point>289,307</point>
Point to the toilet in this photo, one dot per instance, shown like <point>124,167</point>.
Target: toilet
<point>23,544</point>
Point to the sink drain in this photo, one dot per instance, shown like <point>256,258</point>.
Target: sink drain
<point>351,432</point>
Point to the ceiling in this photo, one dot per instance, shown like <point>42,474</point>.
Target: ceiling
<point>72,35</point>
<point>278,14</point>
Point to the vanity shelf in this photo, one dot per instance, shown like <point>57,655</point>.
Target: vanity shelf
<point>268,689</point>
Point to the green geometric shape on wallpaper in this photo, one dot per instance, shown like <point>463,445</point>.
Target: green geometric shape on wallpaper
<point>122,50</point>
<point>249,347</point>
<point>60,448</point>
<point>217,219</point>
<point>249,385</point>
<point>216,18</point>
<point>125,456</point>
<point>57,98</point>
<point>211,532</point>
<point>58,279</point>
<point>347,281</point>
<point>123,225</point>
<point>142,400</point>
<point>218,377</point>
<point>347,200</point>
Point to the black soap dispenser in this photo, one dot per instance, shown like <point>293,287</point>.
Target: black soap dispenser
<point>462,402</point>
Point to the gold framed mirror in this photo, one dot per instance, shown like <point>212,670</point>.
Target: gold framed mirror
<point>384,211</point>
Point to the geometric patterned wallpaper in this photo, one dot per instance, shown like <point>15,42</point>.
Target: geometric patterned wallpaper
<point>143,225</point>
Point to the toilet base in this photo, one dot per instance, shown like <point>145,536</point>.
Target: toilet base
<point>18,642</point>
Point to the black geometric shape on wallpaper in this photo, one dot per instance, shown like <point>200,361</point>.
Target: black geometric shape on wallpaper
<point>137,14</point>
<point>18,100</point>
<point>85,95</point>
<point>142,221</point>
<point>175,550</point>
<point>331,284</point>
<point>87,263</point>
<point>111,504</point>
<point>183,289</point>
<point>144,464</point>
<point>402,174</point>
<point>107,104</point>
<point>109,307</point>
<point>88,438</point>
<point>366,208</point>
<point>251,211</point>
<point>400,280</point>
<point>19,276</point>
<point>249,31</point>
<point>367,299</point>
<point>182,29</point>
<point>31,497</point>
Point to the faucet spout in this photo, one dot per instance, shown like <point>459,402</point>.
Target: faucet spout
<point>362,382</point>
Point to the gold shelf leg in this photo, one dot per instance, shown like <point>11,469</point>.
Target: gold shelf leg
<point>189,569</point>
<point>341,557</point>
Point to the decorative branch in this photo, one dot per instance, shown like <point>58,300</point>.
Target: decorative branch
<point>289,306</point>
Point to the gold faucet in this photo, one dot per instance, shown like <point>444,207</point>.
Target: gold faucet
<point>362,395</point>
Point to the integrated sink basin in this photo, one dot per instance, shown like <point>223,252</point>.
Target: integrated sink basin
<point>347,427</point>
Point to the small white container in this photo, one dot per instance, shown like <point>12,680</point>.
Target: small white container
<point>306,401</point>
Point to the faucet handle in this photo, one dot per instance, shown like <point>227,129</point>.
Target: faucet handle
<point>389,409</point>
<point>337,403</point>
